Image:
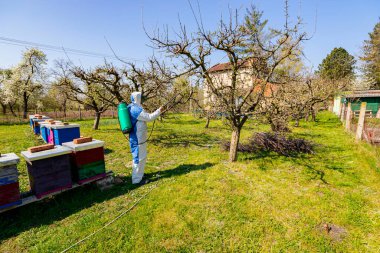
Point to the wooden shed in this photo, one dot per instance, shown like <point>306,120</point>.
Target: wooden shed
<point>372,97</point>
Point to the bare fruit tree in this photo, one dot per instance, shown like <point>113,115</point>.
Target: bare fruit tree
<point>153,79</point>
<point>89,94</point>
<point>254,52</point>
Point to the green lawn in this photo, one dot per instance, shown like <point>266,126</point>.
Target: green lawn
<point>202,203</point>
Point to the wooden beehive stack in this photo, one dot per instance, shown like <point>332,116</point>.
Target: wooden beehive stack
<point>49,169</point>
<point>9,185</point>
<point>87,159</point>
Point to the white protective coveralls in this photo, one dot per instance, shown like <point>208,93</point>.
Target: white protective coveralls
<point>138,135</point>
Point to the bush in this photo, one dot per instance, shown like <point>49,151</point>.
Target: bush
<point>274,142</point>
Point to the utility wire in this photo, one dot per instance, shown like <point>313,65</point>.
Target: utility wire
<point>110,222</point>
<point>16,42</point>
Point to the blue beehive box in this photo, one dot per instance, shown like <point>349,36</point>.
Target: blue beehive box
<point>36,125</point>
<point>30,120</point>
<point>65,133</point>
<point>31,117</point>
<point>44,133</point>
<point>45,128</point>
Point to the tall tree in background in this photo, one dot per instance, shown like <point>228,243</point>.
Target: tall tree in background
<point>27,78</point>
<point>371,58</point>
<point>337,65</point>
<point>250,47</point>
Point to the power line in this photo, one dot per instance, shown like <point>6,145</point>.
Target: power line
<point>16,42</point>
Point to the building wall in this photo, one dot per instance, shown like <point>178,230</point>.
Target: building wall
<point>373,104</point>
<point>223,79</point>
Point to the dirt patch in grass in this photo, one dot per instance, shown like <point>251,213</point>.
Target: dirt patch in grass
<point>334,232</point>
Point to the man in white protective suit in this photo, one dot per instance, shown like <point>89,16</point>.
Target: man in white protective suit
<point>138,136</point>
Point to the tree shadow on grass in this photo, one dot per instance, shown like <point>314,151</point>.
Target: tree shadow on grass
<point>299,159</point>
<point>46,212</point>
<point>184,140</point>
<point>108,151</point>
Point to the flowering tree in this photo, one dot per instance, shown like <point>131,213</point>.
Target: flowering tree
<point>5,74</point>
<point>27,79</point>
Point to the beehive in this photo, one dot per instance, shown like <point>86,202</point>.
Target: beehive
<point>45,128</point>
<point>36,124</point>
<point>49,171</point>
<point>87,160</point>
<point>9,185</point>
<point>64,133</point>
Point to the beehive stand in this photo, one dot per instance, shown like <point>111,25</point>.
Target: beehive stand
<point>29,198</point>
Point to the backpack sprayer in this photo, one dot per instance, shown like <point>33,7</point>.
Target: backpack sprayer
<point>124,118</point>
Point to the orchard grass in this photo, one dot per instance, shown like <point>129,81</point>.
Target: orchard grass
<point>202,203</point>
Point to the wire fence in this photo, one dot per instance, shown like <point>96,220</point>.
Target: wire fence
<point>9,119</point>
<point>370,130</point>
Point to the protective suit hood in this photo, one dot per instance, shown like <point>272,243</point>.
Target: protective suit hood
<point>136,97</point>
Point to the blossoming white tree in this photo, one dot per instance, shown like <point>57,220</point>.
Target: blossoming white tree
<point>27,79</point>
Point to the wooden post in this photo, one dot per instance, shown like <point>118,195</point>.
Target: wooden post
<point>343,109</point>
<point>359,130</point>
<point>80,113</point>
<point>348,117</point>
<point>340,109</point>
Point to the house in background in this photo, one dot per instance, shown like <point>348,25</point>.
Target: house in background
<point>221,75</point>
<point>372,97</point>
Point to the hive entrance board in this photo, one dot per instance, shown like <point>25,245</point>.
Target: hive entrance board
<point>40,148</point>
<point>82,140</point>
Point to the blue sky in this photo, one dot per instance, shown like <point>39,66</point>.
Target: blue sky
<point>84,24</point>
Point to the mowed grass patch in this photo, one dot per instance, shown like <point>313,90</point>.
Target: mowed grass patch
<point>201,203</point>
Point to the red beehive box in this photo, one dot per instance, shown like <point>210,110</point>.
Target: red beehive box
<point>84,157</point>
<point>9,193</point>
<point>9,186</point>
<point>87,160</point>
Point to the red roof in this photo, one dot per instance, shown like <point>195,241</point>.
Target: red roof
<point>223,67</point>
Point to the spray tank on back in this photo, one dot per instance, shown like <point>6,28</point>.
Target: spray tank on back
<point>124,118</point>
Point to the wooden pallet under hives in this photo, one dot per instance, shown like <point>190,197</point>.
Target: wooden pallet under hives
<point>31,199</point>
